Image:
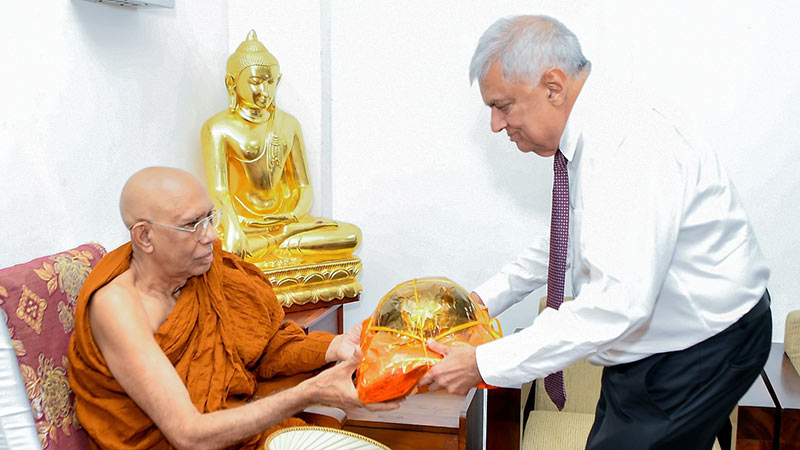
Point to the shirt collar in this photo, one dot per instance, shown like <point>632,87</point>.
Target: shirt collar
<point>571,137</point>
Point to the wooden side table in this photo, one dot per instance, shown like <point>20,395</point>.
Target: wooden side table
<point>434,420</point>
<point>320,317</point>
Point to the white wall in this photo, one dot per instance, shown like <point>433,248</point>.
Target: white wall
<point>291,32</point>
<point>435,193</point>
<point>93,92</point>
<point>90,94</point>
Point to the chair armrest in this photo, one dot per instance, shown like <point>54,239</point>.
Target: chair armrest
<point>791,339</point>
<point>17,428</point>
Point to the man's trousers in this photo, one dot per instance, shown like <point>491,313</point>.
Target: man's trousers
<point>680,400</point>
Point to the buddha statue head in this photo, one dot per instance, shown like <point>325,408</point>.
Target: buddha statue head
<point>252,76</point>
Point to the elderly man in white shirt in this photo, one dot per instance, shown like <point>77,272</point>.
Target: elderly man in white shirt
<point>669,281</point>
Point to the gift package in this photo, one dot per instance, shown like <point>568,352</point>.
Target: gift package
<point>394,339</point>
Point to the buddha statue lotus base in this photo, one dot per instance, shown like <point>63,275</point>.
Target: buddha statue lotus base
<point>312,283</point>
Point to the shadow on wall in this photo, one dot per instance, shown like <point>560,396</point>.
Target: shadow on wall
<point>526,178</point>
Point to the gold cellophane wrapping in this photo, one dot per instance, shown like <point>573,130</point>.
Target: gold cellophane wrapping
<point>394,339</point>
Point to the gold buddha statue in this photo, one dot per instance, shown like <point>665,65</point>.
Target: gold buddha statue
<point>257,176</point>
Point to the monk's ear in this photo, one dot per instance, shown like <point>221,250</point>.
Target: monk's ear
<point>140,236</point>
<point>555,80</point>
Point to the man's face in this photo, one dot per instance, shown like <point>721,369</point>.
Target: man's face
<point>178,252</point>
<point>256,85</point>
<point>523,111</point>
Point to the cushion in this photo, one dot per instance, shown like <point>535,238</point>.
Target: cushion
<point>582,381</point>
<point>548,430</point>
<point>38,299</point>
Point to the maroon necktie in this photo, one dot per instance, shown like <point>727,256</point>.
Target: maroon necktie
<point>559,228</point>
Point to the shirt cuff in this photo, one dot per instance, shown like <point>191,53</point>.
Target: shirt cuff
<point>491,361</point>
<point>490,292</point>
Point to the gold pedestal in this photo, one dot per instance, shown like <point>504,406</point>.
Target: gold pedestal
<point>315,282</point>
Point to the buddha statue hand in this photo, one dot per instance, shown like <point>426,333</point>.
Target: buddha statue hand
<point>269,221</point>
<point>270,242</point>
<point>274,219</point>
<point>234,240</point>
<point>308,226</point>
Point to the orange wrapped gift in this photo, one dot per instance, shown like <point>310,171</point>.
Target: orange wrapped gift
<point>393,340</point>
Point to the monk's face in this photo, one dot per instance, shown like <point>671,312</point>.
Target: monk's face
<point>181,253</point>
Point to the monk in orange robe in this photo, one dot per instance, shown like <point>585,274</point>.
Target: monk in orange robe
<point>173,334</point>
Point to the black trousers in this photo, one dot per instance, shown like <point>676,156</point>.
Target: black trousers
<point>679,400</point>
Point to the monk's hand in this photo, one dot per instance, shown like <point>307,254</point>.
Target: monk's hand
<point>456,373</point>
<point>335,387</point>
<point>343,346</point>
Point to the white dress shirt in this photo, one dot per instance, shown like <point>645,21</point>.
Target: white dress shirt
<point>661,254</point>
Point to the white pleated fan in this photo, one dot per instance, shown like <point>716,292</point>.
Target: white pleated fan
<point>319,438</point>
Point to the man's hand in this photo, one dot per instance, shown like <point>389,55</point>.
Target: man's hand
<point>456,373</point>
<point>477,298</point>
<point>343,346</point>
<point>334,387</point>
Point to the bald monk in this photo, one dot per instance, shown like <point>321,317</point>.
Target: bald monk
<point>172,334</point>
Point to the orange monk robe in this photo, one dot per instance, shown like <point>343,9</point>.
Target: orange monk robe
<point>223,336</point>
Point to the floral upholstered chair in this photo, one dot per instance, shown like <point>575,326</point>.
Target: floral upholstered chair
<point>38,301</point>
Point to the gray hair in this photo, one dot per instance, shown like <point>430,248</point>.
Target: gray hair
<point>526,46</point>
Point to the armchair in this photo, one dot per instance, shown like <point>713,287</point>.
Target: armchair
<point>791,339</point>
<point>547,428</point>
<point>37,303</point>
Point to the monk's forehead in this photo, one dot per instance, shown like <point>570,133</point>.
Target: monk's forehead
<point>164,193</point>
<point>177,198</point>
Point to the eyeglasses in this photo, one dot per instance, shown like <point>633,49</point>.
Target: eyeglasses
<point>198,230</point>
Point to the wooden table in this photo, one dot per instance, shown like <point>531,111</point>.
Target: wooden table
<point>321,319</point>
<point>328,316</point>
<point>434,420</point>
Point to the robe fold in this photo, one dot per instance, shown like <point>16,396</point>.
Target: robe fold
<point>225,334</point>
